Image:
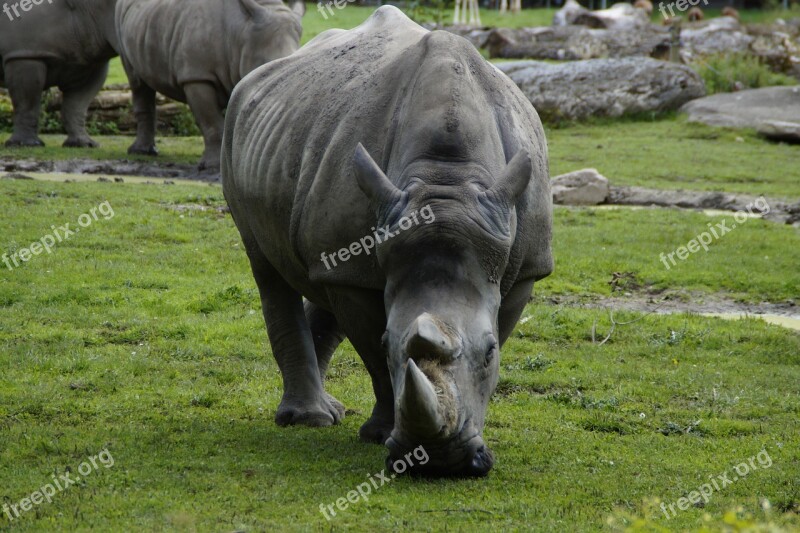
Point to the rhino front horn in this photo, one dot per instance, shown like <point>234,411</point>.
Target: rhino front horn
<point>418,405</point>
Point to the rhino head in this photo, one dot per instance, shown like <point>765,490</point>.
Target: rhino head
<point>442,299</point>
<point>273,31</point>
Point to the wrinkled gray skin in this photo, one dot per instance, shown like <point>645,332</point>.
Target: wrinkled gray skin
<point>196,53</point>
<point>67,44</point>
<point>428,309</point>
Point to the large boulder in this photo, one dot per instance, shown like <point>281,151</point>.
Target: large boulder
<point>604,87</point>
<point>582,187</point>
<point>747,109</point>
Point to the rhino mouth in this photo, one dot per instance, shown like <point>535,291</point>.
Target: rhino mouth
<point>458,457</point>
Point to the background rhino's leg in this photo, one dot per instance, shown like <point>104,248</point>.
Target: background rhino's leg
<point>76,104</point>
<point>144,109</point>
<point>204,102</point>
<point>511,308</point>
<point>362,317</point>
<point>25,79</point>
<point>304,400</point>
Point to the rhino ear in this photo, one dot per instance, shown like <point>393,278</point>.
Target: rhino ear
<point>371,179</point>
<point>299,8</point>
<point>514,179</point>
<point>252,9</point>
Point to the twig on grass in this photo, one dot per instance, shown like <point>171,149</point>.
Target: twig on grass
<point>614,324</point>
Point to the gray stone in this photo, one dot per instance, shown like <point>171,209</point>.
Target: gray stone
<point>747,109</point>
<point>604,87</point>
<point>582,187</point>
<point>778,130</point>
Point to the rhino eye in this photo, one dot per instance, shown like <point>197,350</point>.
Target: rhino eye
<point>385,341</point>
<point>490,352</point>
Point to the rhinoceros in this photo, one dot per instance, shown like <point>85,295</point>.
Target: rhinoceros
<point>399,183</point>
<point>66,44</point>
<point>196,52</point>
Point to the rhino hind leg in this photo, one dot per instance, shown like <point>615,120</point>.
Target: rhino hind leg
<point>327,337</point>
<point>204,103</point>
<point>25,79</point>
<point>304,400</point>
<point>144,109</point>
<point>76,105</point>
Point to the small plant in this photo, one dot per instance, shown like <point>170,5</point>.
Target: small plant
<point>183,123</point>
<point>724,73</point>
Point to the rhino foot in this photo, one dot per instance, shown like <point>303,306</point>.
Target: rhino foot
<point>325,412</point>
<point>14,142</point>
<point>137,149</point>
<point>376,430</point>
<point>79,142</point>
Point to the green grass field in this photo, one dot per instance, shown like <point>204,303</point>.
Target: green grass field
<point>142,335</point>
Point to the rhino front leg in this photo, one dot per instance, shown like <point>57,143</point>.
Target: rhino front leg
<point>304,400</point>
<point>144,109</point>
<point>204,102</point>
<point>362,317</point>
<point>25,79</point>
<point>76,105</point>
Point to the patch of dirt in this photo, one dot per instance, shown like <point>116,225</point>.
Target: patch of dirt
<point>676,302</point>
<point>777,211</point>
<point>151,169</point>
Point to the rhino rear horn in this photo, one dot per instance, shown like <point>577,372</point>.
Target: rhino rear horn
<point>371,179</point>
<point>418,406</point>
<point>298,7</point>
<point>514,179</point>
<point>428,341</point>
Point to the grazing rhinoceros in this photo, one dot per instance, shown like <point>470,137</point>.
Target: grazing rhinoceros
<point>67,44</point>
<point>421,246</point>
<point>196,52</point>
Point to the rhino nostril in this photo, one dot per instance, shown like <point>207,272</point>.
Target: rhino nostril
<point>482,462</point>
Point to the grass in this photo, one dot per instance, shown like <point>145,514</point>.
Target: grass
<point>671,153</point>
<point>142,334</point>
<point>665,152</point>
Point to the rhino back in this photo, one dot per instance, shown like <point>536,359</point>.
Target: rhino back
<point>401,91</point>
<point>168,45</point>
<point>75,32</point>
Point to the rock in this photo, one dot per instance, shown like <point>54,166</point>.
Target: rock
<point>577,42</point>
<point>582,187</point>
<point>621,16</point>
<point>777,130</point>
<point>569,13</point>
<point>747,109</point>
<point>604,87</point>
<point>718,35</point>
